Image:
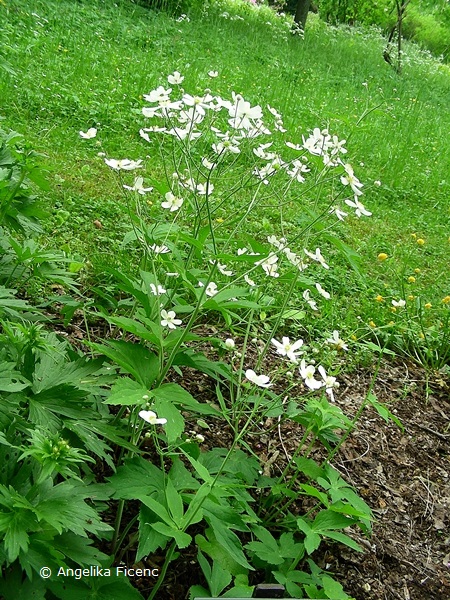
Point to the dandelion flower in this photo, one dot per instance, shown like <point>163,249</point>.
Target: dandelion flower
<point>382,256</point>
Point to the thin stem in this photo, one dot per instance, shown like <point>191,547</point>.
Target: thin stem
<point>164,568</point>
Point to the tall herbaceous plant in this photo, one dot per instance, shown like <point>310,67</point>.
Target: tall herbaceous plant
<point>225,165</point>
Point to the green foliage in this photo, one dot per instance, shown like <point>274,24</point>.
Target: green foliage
<point>366,12</point>
<point>67,419</point>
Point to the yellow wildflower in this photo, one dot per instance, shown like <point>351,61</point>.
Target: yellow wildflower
<point>382,256</point>
<point>416,270</point>
<point>446,300</point>
<point>411,279</point>
<point>372,324</point>
<point>379,298</point>
<point>421,241</point>
<point>428,305</point>
<point>411,297</point>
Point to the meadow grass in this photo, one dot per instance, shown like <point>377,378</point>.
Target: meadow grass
<point>86,64</point>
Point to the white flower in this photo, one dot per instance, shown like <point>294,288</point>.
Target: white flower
<point>169,320</point>
<point>223,269</point>
<point>351,180</point>
<point>190,116</point>
<point>208,164</point>
<point>157,291</point>
<point>211,288</point>
<point>204,188</point>
<point>250,282</point>
<point>242,113</point>
<point>159,249</point>
<point>199,438</point>
<point>138,186</point>
<point>269,265</point>
<point>213,74</point>
<point>329,382</point>
<point>335,340</point>
<point>296,170</point>
<point>229,344</point>
<point>182,134</point>
<point>318,142</point>
<point>158,95</point>
<point>175,79</point>
<point>359,206</point>
<point>307,374</point>
<point>399,303</point>
<point>261,380</point>
<point>151,417</point>
<point>286,348</point>
<point>124,164</point>
<point>312,303</point>
<point>90,133</point>
<point>241,251</point>
<point>322,292</point>
<point>294,146</point>
<point>172,202</point>
<point>172,274</point>
<point>377,183</point>
<point>338,212</point>
<point>199,102</point>
<point>317,256</point>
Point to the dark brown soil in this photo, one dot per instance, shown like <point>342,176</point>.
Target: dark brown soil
<point>404,476</point>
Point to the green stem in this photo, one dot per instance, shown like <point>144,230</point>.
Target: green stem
<point>117,523</point>
<point>162,575</point>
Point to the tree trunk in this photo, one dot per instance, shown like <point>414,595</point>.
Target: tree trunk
<point>301,12</point>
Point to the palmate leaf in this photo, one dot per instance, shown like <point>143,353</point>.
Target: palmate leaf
<point>10,379</point>
<point>134,359</point>
<point>211,546</point>
<point>149,539</point>
<point>126,392</point>
<point>217,577</point>
<point>216,370</point>
<point>182,539</point>
<point>113,587</point>
<point>228,539</point>
<point>172,392</point>
<point>137,478</point>
<point>12,586</point>
<point>63,507</point>
<point>54,369</point>
<point>267,549</point>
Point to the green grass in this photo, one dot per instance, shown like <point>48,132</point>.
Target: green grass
<point>84,64</point>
